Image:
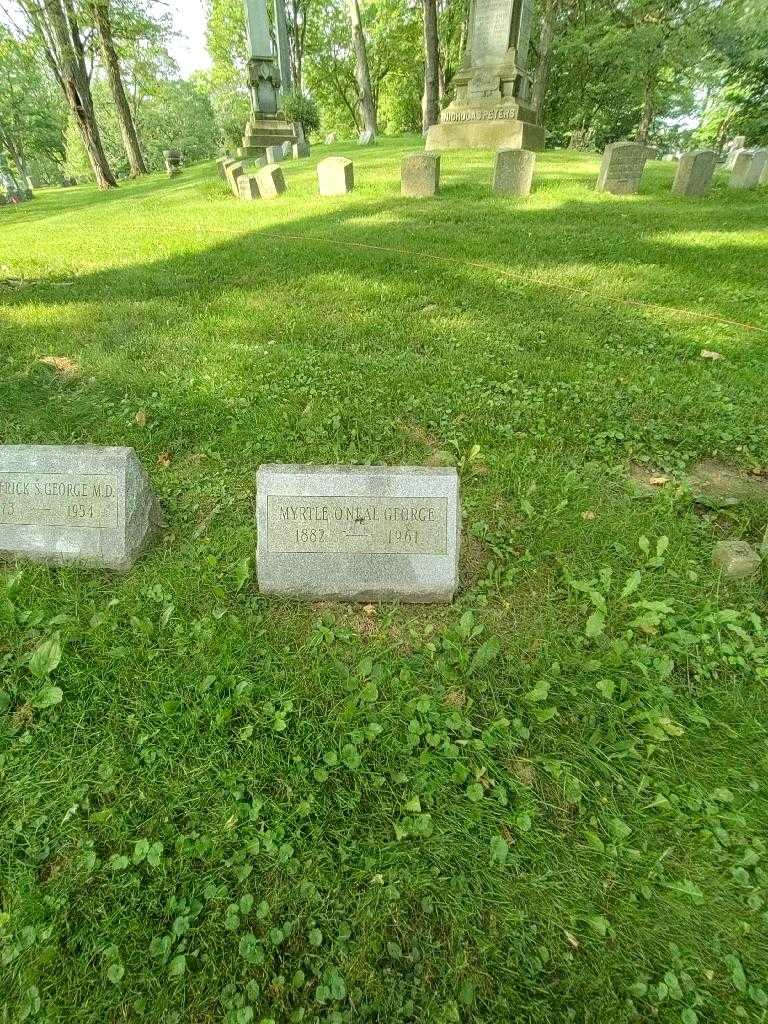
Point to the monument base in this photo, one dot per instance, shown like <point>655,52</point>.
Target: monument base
<point>264,132</point>
<point>495,135</point>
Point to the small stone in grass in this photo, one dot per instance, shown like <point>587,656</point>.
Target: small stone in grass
<point>736,559</point>
<point>707,354</point>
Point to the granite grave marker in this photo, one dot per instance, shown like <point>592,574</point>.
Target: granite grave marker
<point>694,173</point>
<point>358,533</point>
<point>89,505</point>
<point>621,168</point>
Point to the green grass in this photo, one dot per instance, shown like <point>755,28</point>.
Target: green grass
<point>545,803</point>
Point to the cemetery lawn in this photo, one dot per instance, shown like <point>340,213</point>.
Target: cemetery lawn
<point>545,803</point>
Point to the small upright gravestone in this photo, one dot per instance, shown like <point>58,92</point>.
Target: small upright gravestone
<point>621,168</point>
<point>358,533</point>
<point>172,162</point>
<point>420,175</point>
<point>748,168</point>
<point>248,187</point>
<point>274,154</point>
<point>732,149</point>
<point>513,172</point>
<point>335,176</point>
<point>694,173</point>
<point>220,165</point>
<point>234,171</point>
<point>270,181</point>
<point>300,149</point>
<point>75,504</point>
<point>287,150</point>
<point>758,171</point>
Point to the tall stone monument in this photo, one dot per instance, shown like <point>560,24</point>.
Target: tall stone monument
<point>490,109</point>
<point>267,125</point>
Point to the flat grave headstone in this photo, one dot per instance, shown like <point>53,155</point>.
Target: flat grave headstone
<point>732,149</point>
<point>694,173</point>
<point>742,173</point>
<point>420,175</point>
<point>758,167</point>
<point>513,172</point>
<point>358,533</point>
<point>621,168</point>
<point>81,504</point>
<point>335,176</point>
<point>248,187</point>
<point>271,181</point>
<point>234,171</point>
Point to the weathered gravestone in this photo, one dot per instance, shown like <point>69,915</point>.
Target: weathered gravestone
<point>300,149</point>
<point>358,533</point>
<point>234,171</point>
<point>287,150</point>
<point>694,173</point>
<point>220,166</point>
<point>420,175</point>
<point>274,154</point>
<point>621,168</point>
<point>89,505</point>
<point>248,187</point>
<point>743,172</point>
<point>172,159</point>
<point>757,169</point>
<point>513,172</point>
<point>732,150</point>
<point>271,181</point>
<point>492,107</point>
<point>335,176</point>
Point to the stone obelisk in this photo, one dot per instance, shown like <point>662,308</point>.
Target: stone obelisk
<point>490,109</point>
<point>266,125</point>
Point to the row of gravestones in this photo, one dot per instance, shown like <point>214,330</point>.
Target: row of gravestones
<point>623,163</point>
<point>353,533</point>
<point>620,173</point>
<point>335,176</point>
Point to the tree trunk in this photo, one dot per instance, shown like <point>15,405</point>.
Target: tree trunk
<point>431,101</point>
<point>17,155</point>
<point>544,62</point>
<point>70,72</point>
<point>365,92</point>
<point>112,64</point>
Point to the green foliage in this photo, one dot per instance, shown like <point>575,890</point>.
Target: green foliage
<point>31,114</point>
<point>301,108</point>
